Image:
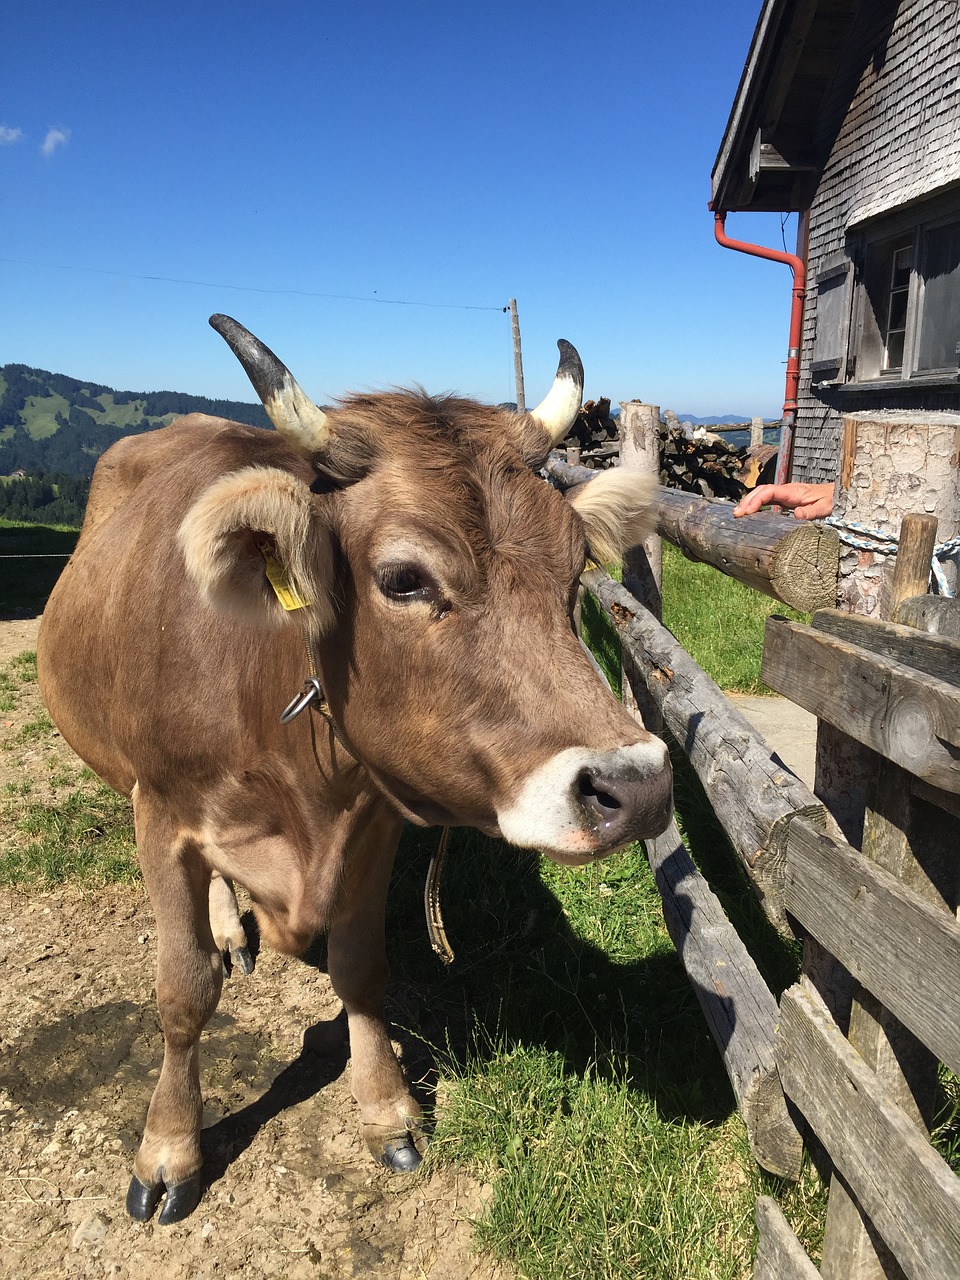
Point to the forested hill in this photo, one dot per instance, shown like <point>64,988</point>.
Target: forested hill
<point>58,425</point>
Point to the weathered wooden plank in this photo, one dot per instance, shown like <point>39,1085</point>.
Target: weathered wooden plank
<point>794,561</point>
<point>780,1255</point>
<point>565,474</point>
<point>936,655</point>
<point>907,716</point>
<point>916,845</point>
<point>853,1249</point>
<point>909,1192</point>
<point>740,1010</point>
<point>730,757</point>
<point>884,932</point>
<point>936,615</point>
<point>640,453</point>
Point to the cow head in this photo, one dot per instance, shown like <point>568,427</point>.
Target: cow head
<point>439,573</point>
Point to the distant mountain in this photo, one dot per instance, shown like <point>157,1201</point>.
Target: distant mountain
<point>59,425</point>
<point>726,420</point>
<point>56,424</point>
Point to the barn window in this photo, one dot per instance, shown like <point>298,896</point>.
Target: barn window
<point>895,306</point>
<point>907,298</point>
<point>939,323</point>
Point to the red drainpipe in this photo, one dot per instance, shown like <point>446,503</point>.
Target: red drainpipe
<point>796,265</point>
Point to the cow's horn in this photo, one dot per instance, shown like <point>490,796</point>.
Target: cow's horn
<point>557,412</point>
<point>296,417</point>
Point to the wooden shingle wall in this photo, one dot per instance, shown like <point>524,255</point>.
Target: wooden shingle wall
<point>893,116</point>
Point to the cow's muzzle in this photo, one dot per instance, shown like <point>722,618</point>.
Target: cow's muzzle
<point>582,803</point>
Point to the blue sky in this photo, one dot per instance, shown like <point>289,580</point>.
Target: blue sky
<point>317,170</point>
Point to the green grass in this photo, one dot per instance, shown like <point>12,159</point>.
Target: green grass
<point>592,1182</point>
<point>39,415</point>
<point>576,1071</point>
<point>717,620</point>
<point>945,1133</point>
<point>121,415</point>
<point>22,671</point>
<point>86,836</point>
<point>36,730</point>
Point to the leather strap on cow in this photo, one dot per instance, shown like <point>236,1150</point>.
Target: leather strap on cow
<point>312,695</point>
<point>431,900</point>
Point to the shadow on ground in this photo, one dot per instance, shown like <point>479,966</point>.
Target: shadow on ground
<point>32,558</point>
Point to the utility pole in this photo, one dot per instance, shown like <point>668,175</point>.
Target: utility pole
<point>517,356</point>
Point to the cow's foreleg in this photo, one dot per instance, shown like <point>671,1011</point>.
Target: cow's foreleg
<point>189,978</point>
<point>228,932</point>
<point>357,965</point>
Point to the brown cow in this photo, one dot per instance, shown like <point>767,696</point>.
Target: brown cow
<point>429,576</point>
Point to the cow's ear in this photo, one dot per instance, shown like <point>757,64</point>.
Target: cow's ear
<point>618,510</point>
<point>256,545</point>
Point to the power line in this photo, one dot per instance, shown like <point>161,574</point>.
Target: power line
<point>248,288</point>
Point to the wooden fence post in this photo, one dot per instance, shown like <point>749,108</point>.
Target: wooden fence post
<point>643,565</point>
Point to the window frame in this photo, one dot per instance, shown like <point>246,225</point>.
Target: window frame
<point>867,258</point>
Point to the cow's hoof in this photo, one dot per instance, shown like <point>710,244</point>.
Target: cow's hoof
<point>142,1200</point>
<point>181,1201</point>
<point>401,1154</point>
<point>241,959</point>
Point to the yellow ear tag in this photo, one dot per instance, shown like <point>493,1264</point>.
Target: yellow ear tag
<point>283,589</point>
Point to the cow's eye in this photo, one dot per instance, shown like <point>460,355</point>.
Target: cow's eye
<point>404,582</point>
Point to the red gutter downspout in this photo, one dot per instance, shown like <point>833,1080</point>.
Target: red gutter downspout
<point>796,265</point>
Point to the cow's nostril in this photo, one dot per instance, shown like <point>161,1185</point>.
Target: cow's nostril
<point>595,799</point>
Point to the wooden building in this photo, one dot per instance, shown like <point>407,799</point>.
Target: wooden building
<point>848,113</point>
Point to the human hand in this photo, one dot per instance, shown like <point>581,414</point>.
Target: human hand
<point>806,501</point>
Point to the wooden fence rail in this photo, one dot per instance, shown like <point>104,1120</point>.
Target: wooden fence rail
<point>908,1192</point>
<point>888,916</point>
<point>793,561</point>
<point>887,695</point>
<point>739,1008</point>
<point>862,915</point>
<point>729,756</point>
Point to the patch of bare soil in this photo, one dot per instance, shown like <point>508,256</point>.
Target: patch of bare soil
<point>16,635</point>
<point>41,759</point>
<point>290,1188</point>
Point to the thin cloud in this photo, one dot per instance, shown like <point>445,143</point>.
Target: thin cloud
<point>55,138</point>
<point>8,135</point>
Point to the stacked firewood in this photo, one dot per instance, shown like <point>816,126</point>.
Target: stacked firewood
<point>593,440</point>
<point>691,458</point>
<point>705,465</point>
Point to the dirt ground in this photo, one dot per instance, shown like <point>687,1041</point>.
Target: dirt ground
<point>290,1189</point>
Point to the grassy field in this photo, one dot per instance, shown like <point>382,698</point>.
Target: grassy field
<point>39,415</point>
<point>718,620</point>
<point>575,1071</point>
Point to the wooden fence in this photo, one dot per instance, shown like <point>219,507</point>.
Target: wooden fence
<point>848,1057</point>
